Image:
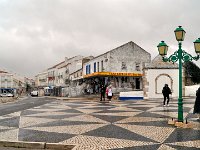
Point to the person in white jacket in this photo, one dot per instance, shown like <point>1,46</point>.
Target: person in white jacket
<point>109,92</point>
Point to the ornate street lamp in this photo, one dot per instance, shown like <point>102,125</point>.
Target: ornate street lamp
<point>197,46</point>
<point>179,33</point>
<point>162,48</point>
<point>179,55</point>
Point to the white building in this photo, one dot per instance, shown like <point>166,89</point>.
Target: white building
<point>121,67</point>
<point>74,78</point>
<point>6,80</point>
<point>73,64</point>
<point>77,75</point>
<point>41,79</point>
<point>53,74</point>
<point>159,73</point>
<point>11,82</point>
<point>61,75</point>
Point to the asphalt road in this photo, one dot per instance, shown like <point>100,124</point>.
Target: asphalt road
<point>24,104</point>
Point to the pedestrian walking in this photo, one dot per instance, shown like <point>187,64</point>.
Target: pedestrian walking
<point>166,91</point>
<point>109,92</point>
<point>197,104</point>
<point>103,90</point>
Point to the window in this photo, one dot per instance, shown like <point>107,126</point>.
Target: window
<point>3,85</point>
<point>88,69</point>
<point>3,78</point>
<point>102,69</point>
<point>123,65</point>
<point>8,85</point>
<point>8,78</point>
<point>95,67</point>
<point>137,66</point>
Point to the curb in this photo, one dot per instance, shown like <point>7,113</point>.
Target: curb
<point>36,145</point>
<point>4,100</point>
<point>59,146</point>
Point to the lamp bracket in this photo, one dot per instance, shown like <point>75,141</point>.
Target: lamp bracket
<point>184,56</point>
<point>188,57</point>
<point>173,58</point>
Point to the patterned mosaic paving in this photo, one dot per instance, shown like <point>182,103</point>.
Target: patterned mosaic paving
<point>92,125</point>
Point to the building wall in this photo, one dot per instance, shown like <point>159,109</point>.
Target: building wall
<point>60,79</point>
<point>51,77</point>
<point>97,60</point>
<point>6,80</point>
<point>126,58</point>
<point>76,75</point>
<point>74,63</point>
<point>41,79</point>
<point>154,80</point>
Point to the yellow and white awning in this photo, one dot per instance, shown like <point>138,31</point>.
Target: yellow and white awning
<point>122,74</point>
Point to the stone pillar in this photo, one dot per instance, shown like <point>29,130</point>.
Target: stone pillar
<point>145,83</point>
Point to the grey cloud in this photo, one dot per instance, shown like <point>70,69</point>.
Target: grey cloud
<point>36,34</point>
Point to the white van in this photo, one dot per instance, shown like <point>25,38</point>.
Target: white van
<point>34,93</point>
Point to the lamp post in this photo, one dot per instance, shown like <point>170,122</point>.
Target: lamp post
<point>180,56</point>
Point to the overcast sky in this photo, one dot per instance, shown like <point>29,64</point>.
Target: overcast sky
<point>36,34</point>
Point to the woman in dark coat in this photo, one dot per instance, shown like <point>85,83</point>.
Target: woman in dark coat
<point>197,104</point>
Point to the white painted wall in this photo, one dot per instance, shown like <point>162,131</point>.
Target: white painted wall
<point>41,79</point>
<point>60,80</point>
<point>97,59</point>
<point>151,79</point>
<point>6,80</point>
<point>131,94</point>
<point>191,90</point>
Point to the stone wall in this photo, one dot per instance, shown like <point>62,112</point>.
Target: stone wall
<point>121,59</point>
<point>126,57</point>
<point>7,99</point>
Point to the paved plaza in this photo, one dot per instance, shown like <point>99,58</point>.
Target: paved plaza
<point>91,125</point>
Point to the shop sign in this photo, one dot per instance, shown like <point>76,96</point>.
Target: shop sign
<point>128,74</point>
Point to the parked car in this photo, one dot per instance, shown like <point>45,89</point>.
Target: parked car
<point>34,93</point>
<point>47,94</point>
<point>6,95</point>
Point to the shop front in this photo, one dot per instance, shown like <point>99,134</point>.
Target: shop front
<point>120,81</point>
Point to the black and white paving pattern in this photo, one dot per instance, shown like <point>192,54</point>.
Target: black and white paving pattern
<point>91,125</point>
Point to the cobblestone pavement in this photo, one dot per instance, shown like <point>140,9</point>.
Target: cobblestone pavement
<point>92,125</point>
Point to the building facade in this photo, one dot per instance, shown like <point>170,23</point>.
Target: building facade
<point>6,80</point>
<point>157,74</point>
<point>53,74</point>
<point>13,83</point>
<point>121,67</point>
<point>41,79</point>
